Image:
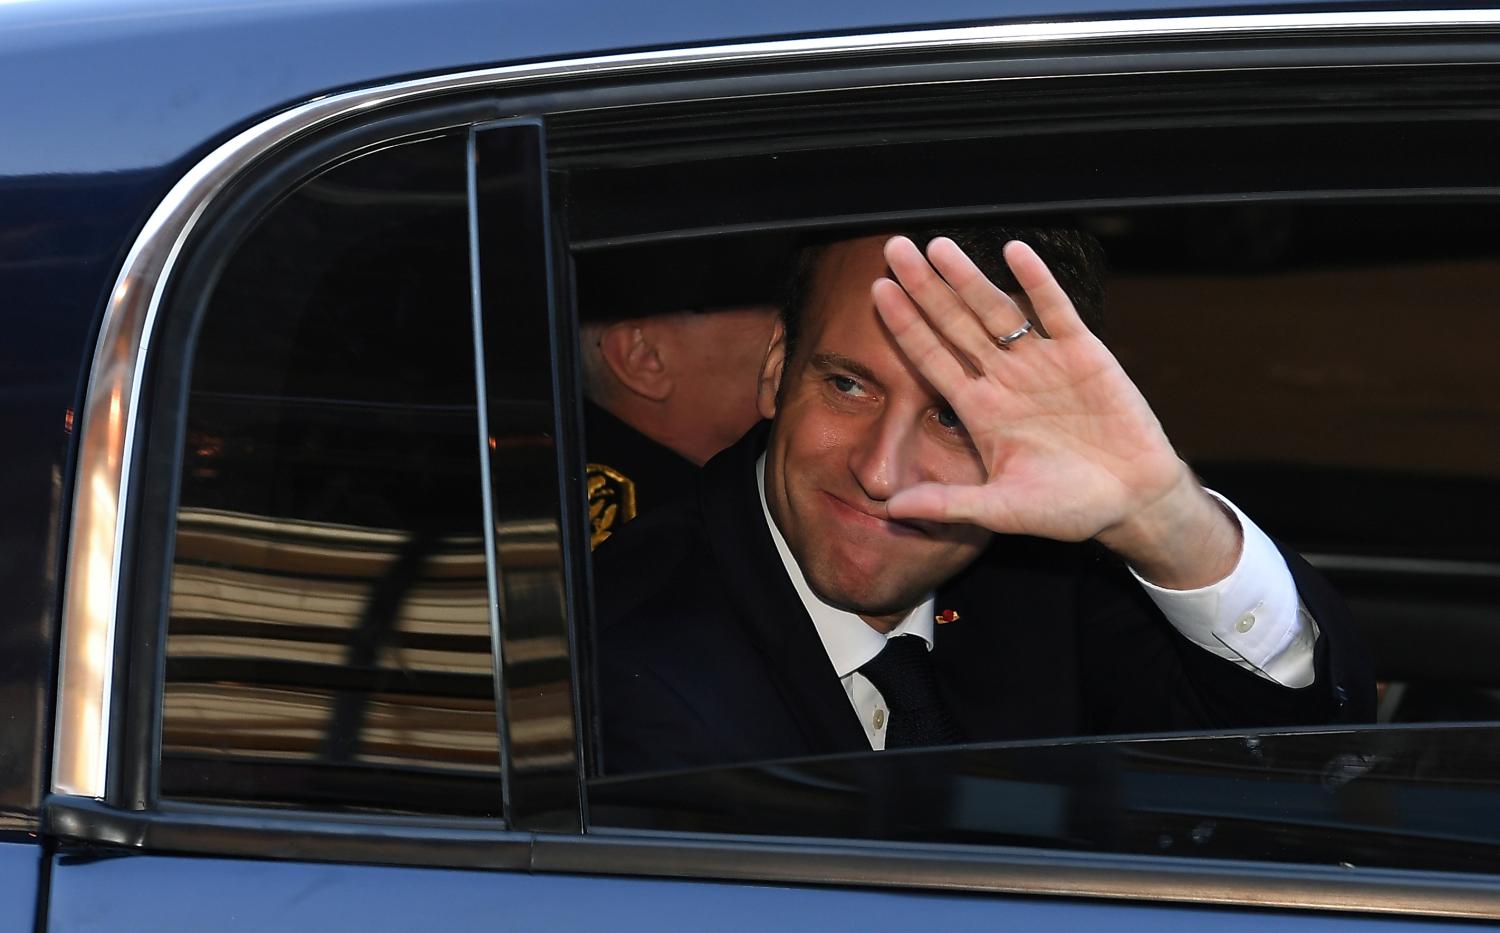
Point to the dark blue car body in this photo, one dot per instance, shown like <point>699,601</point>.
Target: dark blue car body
<point>107,107</point>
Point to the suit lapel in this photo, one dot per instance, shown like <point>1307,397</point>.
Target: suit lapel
<point>767,604</point>
<point>1007,664</point>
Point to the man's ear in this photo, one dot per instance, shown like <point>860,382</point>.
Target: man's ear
<point>771,370</point>
<point>630,351</point>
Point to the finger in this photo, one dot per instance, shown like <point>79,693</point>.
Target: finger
<point>1054,309</point>
<point>934,359</point>
<point>949,315</point>
<point>997,311</point>
<point>940,502</point>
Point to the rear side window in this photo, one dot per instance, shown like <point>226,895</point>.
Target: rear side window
<point>1270,310</point>
<point>328,643</point>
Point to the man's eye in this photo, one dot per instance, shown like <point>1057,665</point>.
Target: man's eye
<point>844,384</point>
<point>948,419</point>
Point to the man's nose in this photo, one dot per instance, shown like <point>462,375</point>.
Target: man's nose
<point>884,457</point>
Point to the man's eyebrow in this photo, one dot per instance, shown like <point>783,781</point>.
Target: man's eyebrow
<point>827,362</point>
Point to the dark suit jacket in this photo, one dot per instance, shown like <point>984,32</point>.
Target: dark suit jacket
<point>707,656</point>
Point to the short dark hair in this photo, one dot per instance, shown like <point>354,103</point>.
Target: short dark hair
<point>1074,256</point>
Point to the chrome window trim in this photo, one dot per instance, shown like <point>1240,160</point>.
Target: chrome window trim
<point>1012,871</point>
<point>111,403</point>
<point>272,833</point>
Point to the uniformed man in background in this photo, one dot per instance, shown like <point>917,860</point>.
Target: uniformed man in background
<point>670,358</point>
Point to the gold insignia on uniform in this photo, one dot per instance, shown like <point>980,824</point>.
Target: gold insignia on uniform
<point>611,501</point>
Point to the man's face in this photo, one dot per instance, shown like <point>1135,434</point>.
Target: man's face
<point>854,423</point>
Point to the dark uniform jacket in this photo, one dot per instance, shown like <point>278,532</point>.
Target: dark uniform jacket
<point>629,473</point>
<point>707,655</point>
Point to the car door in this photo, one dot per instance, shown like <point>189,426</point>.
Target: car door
<point>344,627</point>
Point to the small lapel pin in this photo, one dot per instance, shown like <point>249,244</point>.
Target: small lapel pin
<point>947,615</point>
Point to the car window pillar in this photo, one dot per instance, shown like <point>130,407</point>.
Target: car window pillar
<point>533,494</point>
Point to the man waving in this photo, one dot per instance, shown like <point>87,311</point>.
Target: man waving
<point>962,523</point>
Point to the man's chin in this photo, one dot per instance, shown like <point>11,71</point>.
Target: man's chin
<point>869,600</point>
<point>873,584</point>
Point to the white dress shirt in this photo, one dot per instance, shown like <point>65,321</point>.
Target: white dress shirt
<point>1252,617</point>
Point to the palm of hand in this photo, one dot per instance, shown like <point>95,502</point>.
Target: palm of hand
<point>1069,445</point>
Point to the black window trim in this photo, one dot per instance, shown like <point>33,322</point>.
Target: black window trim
<point>518,247</point>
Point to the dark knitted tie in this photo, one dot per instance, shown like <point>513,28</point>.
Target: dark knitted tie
<point>903,674</point>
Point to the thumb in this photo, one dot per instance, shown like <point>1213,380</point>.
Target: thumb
<point>940,502</point>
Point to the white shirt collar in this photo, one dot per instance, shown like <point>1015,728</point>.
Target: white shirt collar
<point>848,639</point>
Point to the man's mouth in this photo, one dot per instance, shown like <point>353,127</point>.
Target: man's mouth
<point>870,519</point>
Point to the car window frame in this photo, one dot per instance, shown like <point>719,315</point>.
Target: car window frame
<point>90,806</point>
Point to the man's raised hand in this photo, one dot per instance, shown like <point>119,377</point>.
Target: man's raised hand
<point>1070,448</point>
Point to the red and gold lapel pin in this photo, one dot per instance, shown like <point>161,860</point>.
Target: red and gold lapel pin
<point>947,615</point>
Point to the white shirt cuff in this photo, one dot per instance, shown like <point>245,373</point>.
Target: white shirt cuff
<point>1252,617</point>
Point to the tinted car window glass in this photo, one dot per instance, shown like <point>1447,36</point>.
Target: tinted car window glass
<point>1280,346</point>
<point>1308,311</point>
<point>329,643</point>
<point>1315,340</point>
<point>1275,342</point>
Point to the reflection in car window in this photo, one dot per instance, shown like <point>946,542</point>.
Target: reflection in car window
<point>328,643</point>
